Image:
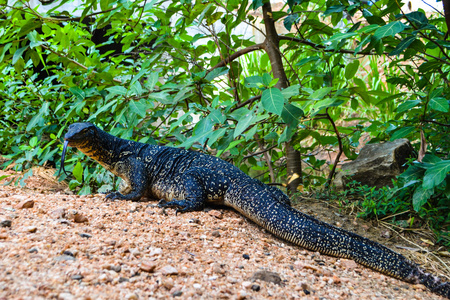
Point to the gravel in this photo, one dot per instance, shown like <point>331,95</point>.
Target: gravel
<point>66,246</point>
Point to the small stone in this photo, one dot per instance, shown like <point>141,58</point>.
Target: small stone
<point>25,204</point>
<point>116,269</point>
<point>348,264</point>
<point>148,266</point>
<point>246,256</point>
<point>59,213</point>
<point>132,296</point>
<point>267,276</point>
<point>31,229</point>
<point>177,294</point>
<point>85,235</point>
<point>3,236</point>
<point>197,286</point>
<point>64,257</point>
<point>5,223</point>
<point>242,295</point>
<point>256,287</point>
<point>246,284</point>
<point>65,296</point>
<point>216,213</point>
<point>169,270</point>
<point>123,279</point>
<point>33,250</point>
<point>77,277</point>
<point>215,233</point>
<point>80,218</point>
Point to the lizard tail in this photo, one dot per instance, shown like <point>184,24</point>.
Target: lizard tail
<point>310,233</point>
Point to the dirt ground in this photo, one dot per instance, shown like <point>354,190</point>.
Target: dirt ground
<point>56,245</point>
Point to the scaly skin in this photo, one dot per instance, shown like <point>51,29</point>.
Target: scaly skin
<point>189,180</point>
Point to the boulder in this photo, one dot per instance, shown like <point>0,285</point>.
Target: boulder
<point>376,165</point>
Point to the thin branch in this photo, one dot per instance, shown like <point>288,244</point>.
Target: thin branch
<point>323,48</point>
<point>259,152</point>
<point>333,170</point>
<point>249,101</point>
<point>74,61</point>
<point>237,55</point>
<point>435,122</point>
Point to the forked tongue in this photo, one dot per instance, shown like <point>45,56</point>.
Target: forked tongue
<point>62,158</point>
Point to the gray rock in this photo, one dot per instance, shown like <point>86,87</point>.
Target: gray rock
<point>376,165</point>
<point>267,276</point>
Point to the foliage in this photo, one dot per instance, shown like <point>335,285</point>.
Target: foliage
<point>394,204</point>
<point>178,73</point>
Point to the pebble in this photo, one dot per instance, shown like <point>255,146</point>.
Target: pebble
<point>246,256</point>
<point>65,296</point>
<point>256,287</point>
<point>31,229</point>
<point>197,286</point>
<point>215,233</point>
<point>216,213</point>
<point>349,264</point>
<point>85,235</point>
<point>177,294</point>
<point>5,223</point>
<point>59,213</point>
<point>131,296</point>
<point>25,204</point>
<point>169,270</point>
<point>267,276</point>
<point>148,266</point>
<point>80,218</point>
<point>64,257</point>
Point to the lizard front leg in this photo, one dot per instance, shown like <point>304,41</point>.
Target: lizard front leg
<point>135,177</point>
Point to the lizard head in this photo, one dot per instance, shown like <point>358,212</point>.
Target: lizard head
<point>78,134</point>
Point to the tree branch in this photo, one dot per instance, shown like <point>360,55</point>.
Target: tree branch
<point>74,61</point>
<point>333,170</point>
<point>235,55</point>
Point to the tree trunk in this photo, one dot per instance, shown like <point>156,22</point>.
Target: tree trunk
<point>272,47</point>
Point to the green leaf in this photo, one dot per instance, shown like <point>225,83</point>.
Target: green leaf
<point>291,114</point>
<point>39,117</point>
<point>273,101</point>
<point>244,122</point>
<point>334,9</point>
<point>34,141</point>
<point>407,105</point>
<point>439,104</point>
<point>216,73</point>
<point>421,197</point>
<point>253,81</point>
<point>390,29</point>
<point>402,45</point>
<point>18,54</point>
<point>351,69</point>
<point>320,93</point>
<point>78,172</point>
<point>289,20</point>
<point>402,132</point>
<point>291,91</point>
<point>413,173</point>
<point>79,93</point>
<point>141,72</point>
<point>138,108</point>
<point>435,175</point>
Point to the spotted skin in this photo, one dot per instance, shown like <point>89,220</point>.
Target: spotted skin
<point>188,180</point>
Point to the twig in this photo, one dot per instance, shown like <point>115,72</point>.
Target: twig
<point>333,170</point>
<point>236,55</point>
<point>74,61</point>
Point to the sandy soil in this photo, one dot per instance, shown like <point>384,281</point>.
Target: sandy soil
<point>55,245</point>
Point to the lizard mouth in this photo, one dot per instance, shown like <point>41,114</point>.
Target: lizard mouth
<point>66,143</point>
